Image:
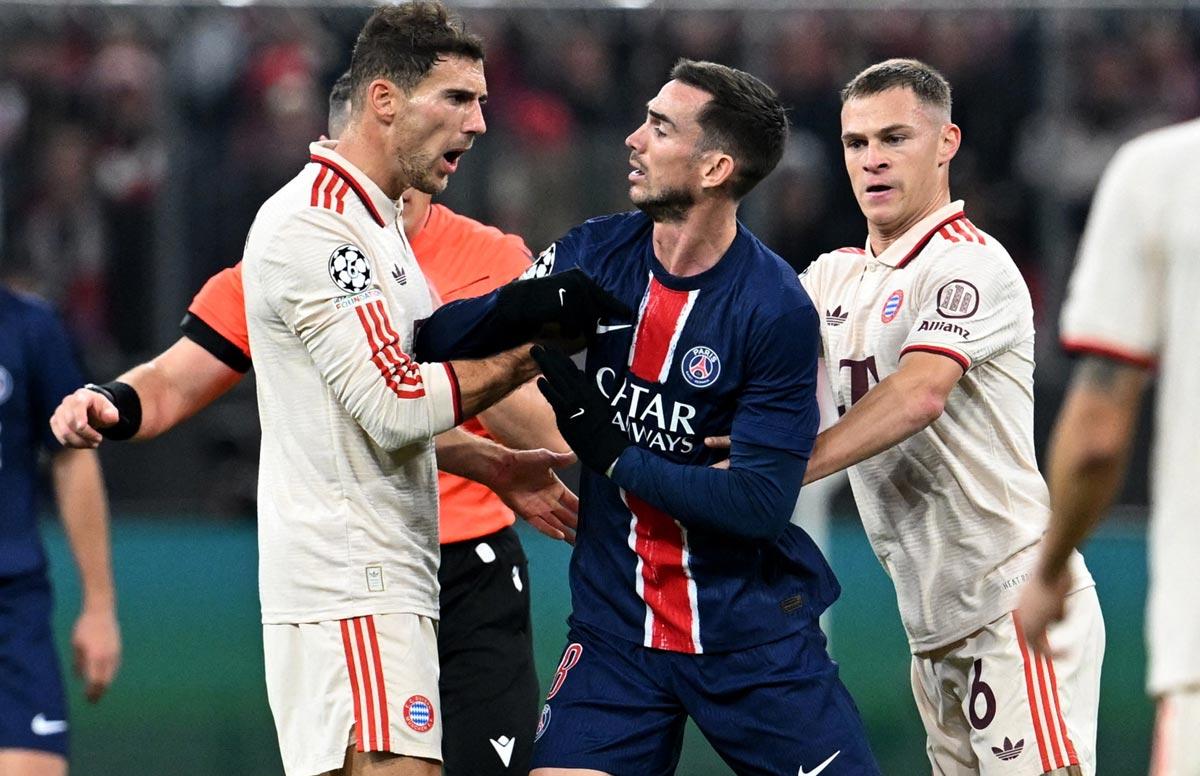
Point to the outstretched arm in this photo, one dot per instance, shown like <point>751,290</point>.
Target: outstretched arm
<point>170,388</point>
<point>898,407</point>
<point>1089,452</point>
<point>523,479</point>
<point>96,638</point>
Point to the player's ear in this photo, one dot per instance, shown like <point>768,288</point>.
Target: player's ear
<point>383,99</point>
<point>716,168</point>
<point>951,137</point>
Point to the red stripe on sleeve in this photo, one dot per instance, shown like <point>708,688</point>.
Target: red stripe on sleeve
<point>957,226</point>
<point>407,371</point>
<point>327,202</point>
<point>1030,695</point>
<point>1080,346</point>
<point>340,196</point>
<point>978,235</point>
<point>367,683</point>
<point>358,728</point>
<point>316,187</point>
<point>383,705</point>
<point>947,352</point>
<point>944,232</point>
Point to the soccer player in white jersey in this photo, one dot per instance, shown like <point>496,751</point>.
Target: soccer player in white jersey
<point>1130,311</point>
<point>347,498</point>
<point>927,334</point>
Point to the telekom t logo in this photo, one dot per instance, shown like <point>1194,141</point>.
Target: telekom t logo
<point>861,375</point>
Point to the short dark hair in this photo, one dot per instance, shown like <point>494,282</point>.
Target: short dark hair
<point>403,42</point>
<point>930,86</point>
<point>744,119</point>
<point>339,104</point>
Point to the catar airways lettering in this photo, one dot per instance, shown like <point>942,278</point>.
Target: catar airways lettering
<point>645,417</point>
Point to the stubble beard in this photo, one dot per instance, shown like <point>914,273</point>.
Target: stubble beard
<point>669,206</point>
<point>418,173</point>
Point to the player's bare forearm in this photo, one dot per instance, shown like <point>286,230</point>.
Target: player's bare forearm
<point>177,384</point>
<point>96,637</point>
<point>523,420</point>
<point>898,407</point>
<point>79,491</point>
<point>484,382</point>
<point>1089,452</point>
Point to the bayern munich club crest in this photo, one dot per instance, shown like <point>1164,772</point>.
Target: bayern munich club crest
<point>701,366</point>
<point>349,269</point>
<point>891,308</point>
<point>418,713</point>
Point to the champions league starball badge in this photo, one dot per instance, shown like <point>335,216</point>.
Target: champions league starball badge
<point>701,367</point>
<point>349,269</point>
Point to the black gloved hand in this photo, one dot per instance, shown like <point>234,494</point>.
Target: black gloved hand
<point>584,416</point>
<point>571,299</point>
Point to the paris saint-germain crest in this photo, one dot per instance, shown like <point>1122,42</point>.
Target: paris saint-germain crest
<point>701,366</point>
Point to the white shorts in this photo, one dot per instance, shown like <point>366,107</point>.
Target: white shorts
<point>370,682</point>
<point>991,706</point>
<point>1176,749</point>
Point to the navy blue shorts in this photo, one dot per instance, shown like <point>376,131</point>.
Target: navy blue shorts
<point>33,707</point>
<point>777,709</point>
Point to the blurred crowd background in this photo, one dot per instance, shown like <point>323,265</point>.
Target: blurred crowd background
<point>136,144</point>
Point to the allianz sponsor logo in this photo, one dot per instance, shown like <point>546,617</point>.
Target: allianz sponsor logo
<point>646,417</point>
<point>953,328</point>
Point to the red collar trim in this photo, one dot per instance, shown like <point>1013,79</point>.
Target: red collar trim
<point>912,254</point>
<point>349,179</point>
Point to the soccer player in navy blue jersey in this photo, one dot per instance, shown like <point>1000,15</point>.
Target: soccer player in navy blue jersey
<point>37,367</point>
<point>693,592</point>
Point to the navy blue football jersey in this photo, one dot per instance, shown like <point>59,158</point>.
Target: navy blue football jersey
<point>731,351</point>
<point>37,369</point>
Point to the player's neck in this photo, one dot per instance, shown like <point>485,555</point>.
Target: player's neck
<point>357,149</point>
<point>882,236</point>
<point>695,244</point>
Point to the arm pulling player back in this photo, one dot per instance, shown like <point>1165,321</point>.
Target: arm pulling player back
<point>673,557</point>
<point>927,335</point>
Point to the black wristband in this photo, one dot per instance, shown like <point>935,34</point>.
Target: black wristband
<point>129,409</point>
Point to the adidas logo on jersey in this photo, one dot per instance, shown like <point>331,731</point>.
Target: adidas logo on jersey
<point>1010,751</point>
<point>398,274</point>
<point>837,317</point>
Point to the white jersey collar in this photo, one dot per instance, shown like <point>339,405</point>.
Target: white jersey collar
<point>381,207</point>
<point>906,248</point>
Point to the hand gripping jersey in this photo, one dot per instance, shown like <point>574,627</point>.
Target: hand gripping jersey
<point>460,257</point>
<point>732,350</point>
<point>954,512</point>
<point>347,495</point>
<point>1132,297</point>
<point>37,368</point>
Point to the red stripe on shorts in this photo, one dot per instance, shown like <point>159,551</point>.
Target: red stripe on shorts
<point>1030,694</point>
<point>369,688</point>
<point>383,705</point>
<point>346,644</point>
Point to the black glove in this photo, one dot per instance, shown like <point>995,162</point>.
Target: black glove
<point>571,299</point>
<point>584,416</point>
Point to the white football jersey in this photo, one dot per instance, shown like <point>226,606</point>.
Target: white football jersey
<point>347,491</point>
<point>954,512</point>
<point>1133,297</point>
